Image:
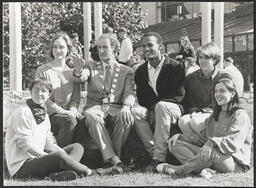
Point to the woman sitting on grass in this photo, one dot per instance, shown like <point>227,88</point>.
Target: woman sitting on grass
<point>223,145</point>
<point>31,150</point>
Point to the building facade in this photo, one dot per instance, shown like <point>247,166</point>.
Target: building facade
<point>173,19</point>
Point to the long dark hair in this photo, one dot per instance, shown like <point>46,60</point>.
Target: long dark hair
<point>233,104</point>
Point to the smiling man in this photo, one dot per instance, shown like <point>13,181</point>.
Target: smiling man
<point>160,91</point>
<point>110,99</point>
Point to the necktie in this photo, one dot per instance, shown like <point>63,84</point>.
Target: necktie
<point>108,76</point>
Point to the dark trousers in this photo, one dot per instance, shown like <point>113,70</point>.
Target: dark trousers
<point>63,127</point>
<point>53,162</point>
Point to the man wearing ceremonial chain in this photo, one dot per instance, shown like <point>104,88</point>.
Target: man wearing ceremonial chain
<point>109,101</point>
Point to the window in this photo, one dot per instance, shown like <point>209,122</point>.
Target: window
<point>250,41</point>
<point>240,43</point>
<point>173,48</point>
<point>195,44</point>
<point>171,11</point>
<point>227,44</point>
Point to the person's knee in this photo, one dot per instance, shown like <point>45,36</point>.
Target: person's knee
<point>139,113</point>
<point>174,148</point>
<point>93,122</point>
<point>160,106</point>
<point>78,147</point>
<point>70,122</point>
<point>184,120</point>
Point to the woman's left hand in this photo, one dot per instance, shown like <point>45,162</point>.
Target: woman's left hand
<point>125,116</point>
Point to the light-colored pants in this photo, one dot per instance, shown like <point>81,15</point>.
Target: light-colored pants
<point>165,115</point>
<point>193,125</point>
<point>109,136</point>
<point>189,155</point>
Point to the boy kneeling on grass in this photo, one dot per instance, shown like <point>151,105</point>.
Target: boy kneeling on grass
<point>31,150</point>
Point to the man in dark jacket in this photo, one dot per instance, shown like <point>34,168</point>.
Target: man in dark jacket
<point>160,91</point>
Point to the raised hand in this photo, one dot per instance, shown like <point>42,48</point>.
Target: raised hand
<point>78,62</point>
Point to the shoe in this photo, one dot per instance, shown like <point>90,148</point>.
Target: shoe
<point>207,173</point>
<point>152,166</point>
<point>123,166</point>
<point>166,168</point>
<point>63,176</point>
<point>109,171</point>
<point>142,161</point>
<point>107,165</point>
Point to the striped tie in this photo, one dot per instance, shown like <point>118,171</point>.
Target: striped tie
<point>108,75</point>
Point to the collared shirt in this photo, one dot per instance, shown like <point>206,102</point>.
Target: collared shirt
<point>112,64</point>
<point>154,73</point>
<point>125,50</point>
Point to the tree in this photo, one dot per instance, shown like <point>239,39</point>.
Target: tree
<point>40,21</point>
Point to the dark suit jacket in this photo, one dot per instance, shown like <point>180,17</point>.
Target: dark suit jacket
<point>169,86</point>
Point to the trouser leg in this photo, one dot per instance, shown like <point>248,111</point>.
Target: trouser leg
<point>119,134</point>
<point>100,135</point>
<point>143,130</point>
<point>190,156</point>
<point>184,151</point>
<point>63,128</point>
<point>81,134</point>
<point>53,162</point>
<point>166,114</point>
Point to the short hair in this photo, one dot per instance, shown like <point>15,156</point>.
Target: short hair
<point>233,105</point>
<point>156,35</point>
<point>74,35</point>
<point>112,38</point>
<point>209,50</point>
<point>43,82</point>
<point>64,36</point>
<point>122,29</point>
<point>228,59</point>
<point>108,29</point>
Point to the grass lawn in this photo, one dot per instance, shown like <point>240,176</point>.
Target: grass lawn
<point>148,179</point>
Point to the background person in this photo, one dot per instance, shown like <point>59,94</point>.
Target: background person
<point>187,55</point>
<point>126,50</point>
<point>235,74</point>
<point>77,46</point>
<point>62,106</point>
<point>31,150</point>
<point>225,142</point>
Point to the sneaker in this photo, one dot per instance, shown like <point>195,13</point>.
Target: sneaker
<point>63,176</point>
<point>109,171</point>
<point>152,166</point>
<point>207,173</point>
<point>107,165</point>
<point>166,168</point>
<point>123,166</point>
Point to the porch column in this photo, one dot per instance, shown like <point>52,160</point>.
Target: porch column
<point>206,22</point>
<point>98,19</point>
<point>87,29</point>
<point>15,68</point>
<point>219,29</point>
